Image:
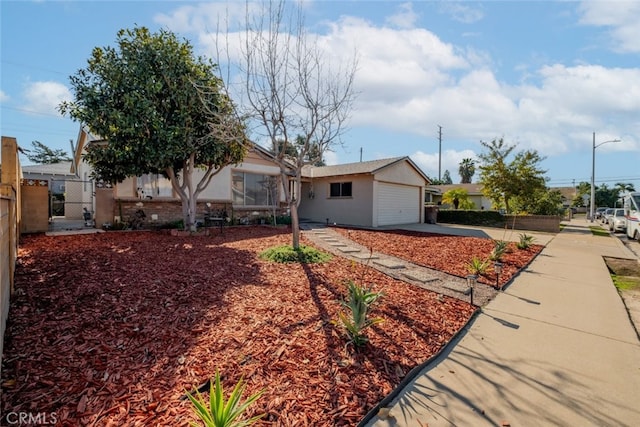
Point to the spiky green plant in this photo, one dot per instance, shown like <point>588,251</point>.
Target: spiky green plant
<point>498,250</point>
<point>477,266</point>
<point>359,301</point>
<point>220,413</point>
<point>525,241</point>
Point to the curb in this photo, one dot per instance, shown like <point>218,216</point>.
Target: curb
<point>417,370</point>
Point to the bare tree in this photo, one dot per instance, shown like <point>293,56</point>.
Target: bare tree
<point>292,94</point>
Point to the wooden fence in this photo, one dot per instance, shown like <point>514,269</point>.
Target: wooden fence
<point>9,226</point>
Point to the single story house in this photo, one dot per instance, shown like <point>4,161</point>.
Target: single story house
<point>55,173</point>
<point>371,194</point>
<point>568,194</point>
<point>66,193</point>
<point>245,192</point>
<point>480,201</point>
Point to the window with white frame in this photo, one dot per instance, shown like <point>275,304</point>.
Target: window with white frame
<point>251,189</point>
<point>340,189</point>
<point>153,185</point>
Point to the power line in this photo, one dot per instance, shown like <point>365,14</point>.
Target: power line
<point>604,179</point>
<point>26,110</point>
<point>35,67</point>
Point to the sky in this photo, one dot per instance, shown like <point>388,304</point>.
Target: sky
<point>434,78</point>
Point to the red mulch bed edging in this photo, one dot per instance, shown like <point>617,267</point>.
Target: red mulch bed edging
<point>446,253</point>
<point>111,329</point>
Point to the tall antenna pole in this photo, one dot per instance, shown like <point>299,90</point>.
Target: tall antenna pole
<point>360,154</point>
<point>439,153</point>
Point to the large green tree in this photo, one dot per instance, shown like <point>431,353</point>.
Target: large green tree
<point>542,202</point>
<point>292,150</point>
<point>466,169</point>
<point>446,178</point>
<point>504,179</point>
<point>161,109</point>
<point>44,155</point>
<point>583,189</point>
<point>606,196</point>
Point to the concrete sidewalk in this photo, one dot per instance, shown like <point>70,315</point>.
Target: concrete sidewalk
<point>557,348</point>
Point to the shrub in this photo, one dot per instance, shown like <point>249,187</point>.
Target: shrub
<point>525,241</point>
<point>178,224</point>
<point>217,412</point>
<point>304,254</point>
<point>477,266</point>
<point>471,217</point>
<point>282,220</point>
<point>359,301</point>
<point>498,250</point>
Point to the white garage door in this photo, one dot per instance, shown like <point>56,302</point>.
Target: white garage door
<point>398,204</point>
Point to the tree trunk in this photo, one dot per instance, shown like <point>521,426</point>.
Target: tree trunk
<point>295,225</point>
<point>193,226</point>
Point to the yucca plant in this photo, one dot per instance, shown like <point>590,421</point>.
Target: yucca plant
<point>359,301</point>
<point>220,413</point>
<point>477,266</point>
<point>525,241</point>
<point>498,250</point>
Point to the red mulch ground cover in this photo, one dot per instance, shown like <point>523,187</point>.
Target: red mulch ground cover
<point>111,329</point>
<point>449,254</point>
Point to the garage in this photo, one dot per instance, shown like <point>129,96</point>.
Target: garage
<point>371,193</point>
<point>398,204</point>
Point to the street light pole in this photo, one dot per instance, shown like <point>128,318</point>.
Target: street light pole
<point>593,174</point>
<point>593,171</point>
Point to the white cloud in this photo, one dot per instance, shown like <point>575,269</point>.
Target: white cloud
<point>405,18</point>
<point>394,65</point>
<point>3,96</point>
<point>205,18</point>
<point>330,158</point>
<point>621,17</point>
<point>462,12</point>
<point>44,97</point>
<point>409,80</point>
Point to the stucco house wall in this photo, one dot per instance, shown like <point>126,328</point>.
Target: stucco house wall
<point>385,191</point>
<point>355,210</point>
<point>399,173</point>
<point>119,201</point>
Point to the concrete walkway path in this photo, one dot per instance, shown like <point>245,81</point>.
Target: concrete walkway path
<point>557,348</point>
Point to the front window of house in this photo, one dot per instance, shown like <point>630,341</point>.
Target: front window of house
<point>251,189</point>
<point>340,189</point>
<point>153,185</point>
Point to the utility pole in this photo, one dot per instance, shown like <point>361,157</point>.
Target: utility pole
<point>360,154</point>
<point>439,152</point>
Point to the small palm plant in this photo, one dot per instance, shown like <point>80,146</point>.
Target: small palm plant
<point>498,250</point>
<point>217,412</point>
<point>477,266</point>
<point>359,302</point>
<point>525,241</point>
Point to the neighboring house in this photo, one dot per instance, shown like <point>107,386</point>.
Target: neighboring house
<point>480,201</point>
<point>55,173</point>
<point>568,194</point>
<point>66,197</point>
<point>245,192</point>
<point>371,194</point>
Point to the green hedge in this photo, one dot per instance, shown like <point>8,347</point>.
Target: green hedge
<point>483,218</point>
